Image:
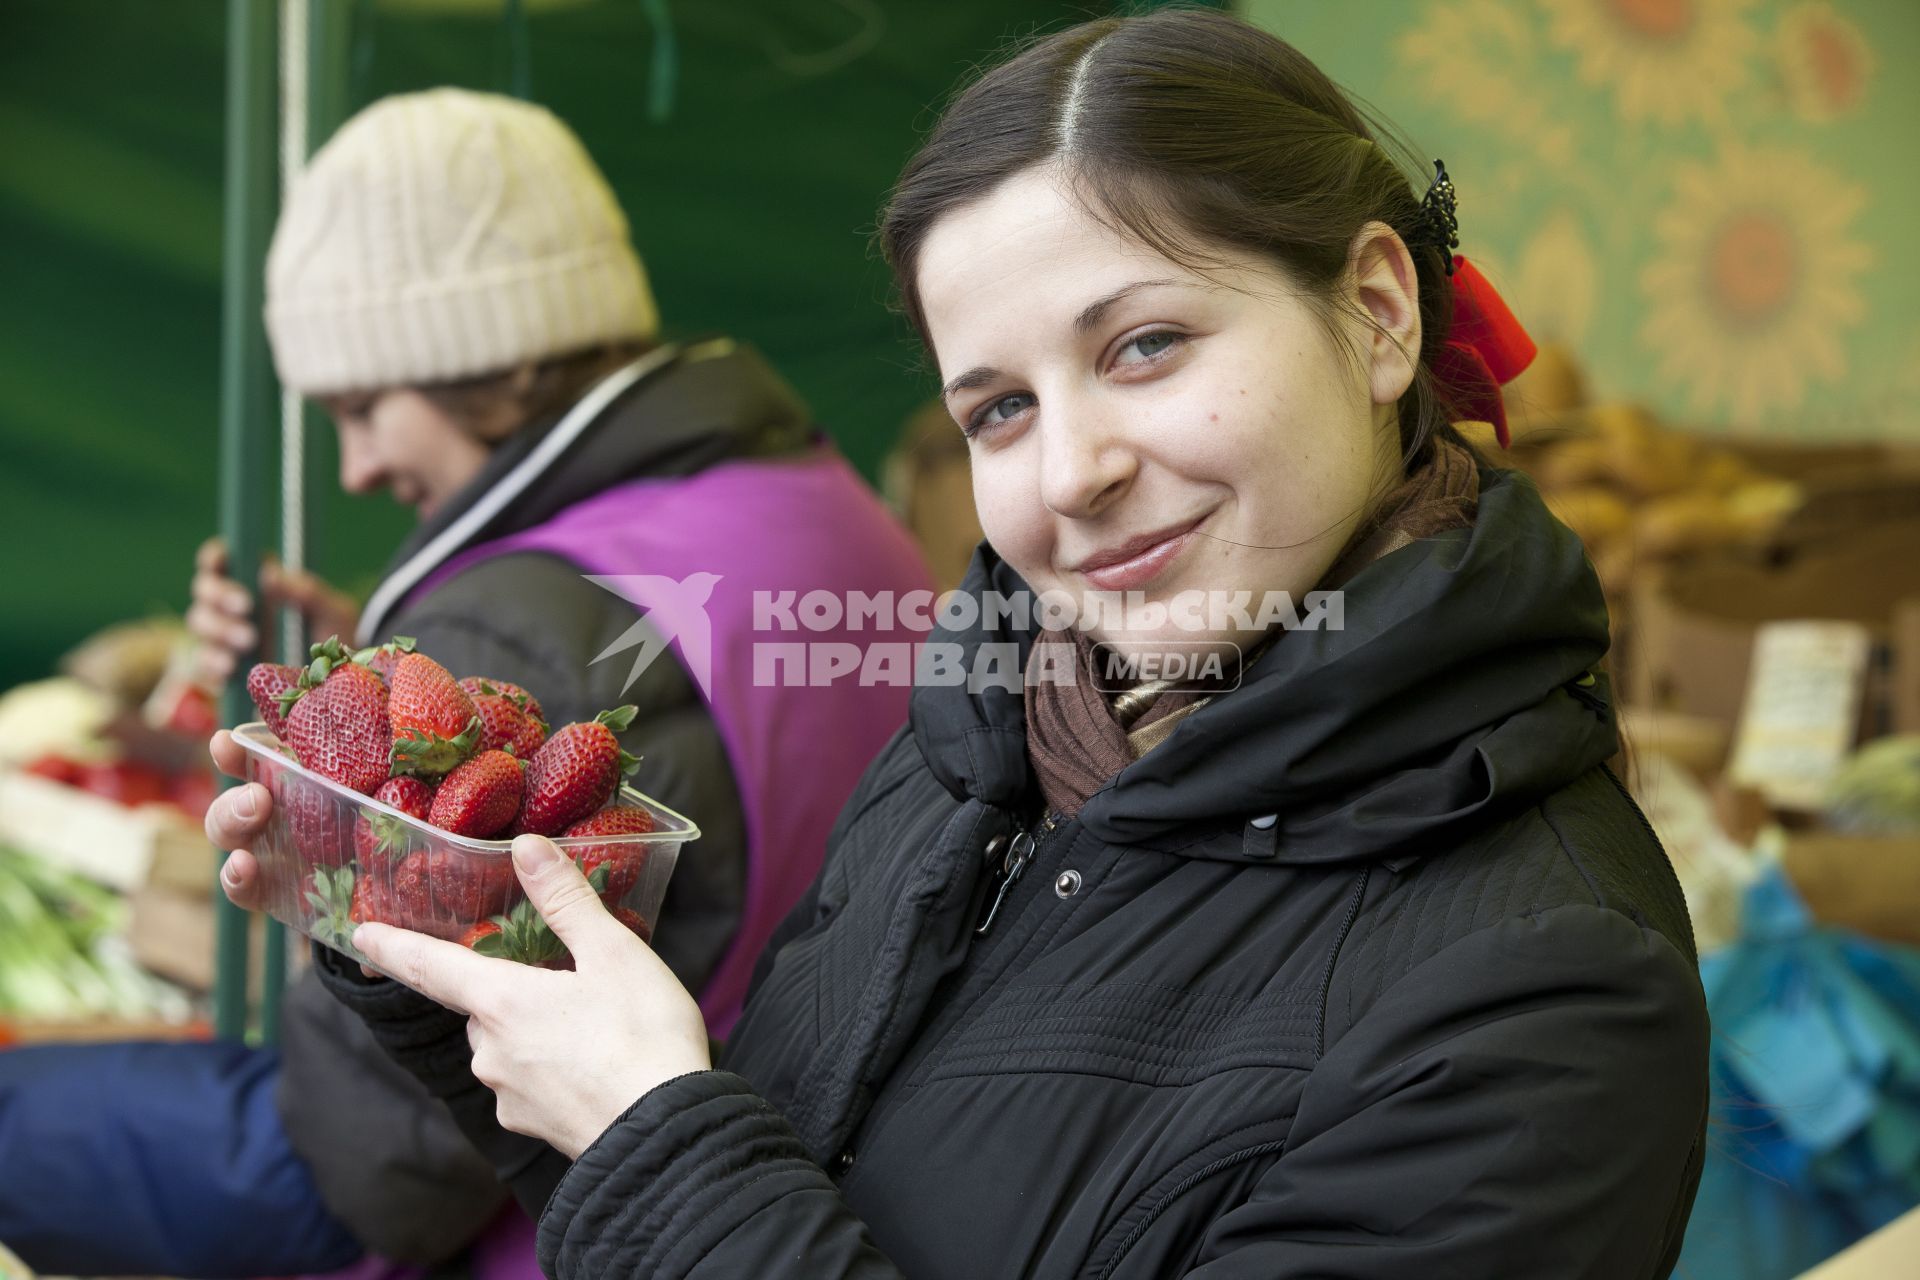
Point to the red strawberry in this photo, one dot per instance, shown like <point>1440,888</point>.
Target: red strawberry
<point>435,726</point>
<point>632,920</point>
<point>485,686</point>
<point>575,772</point>
<point>624,861</point>
<point>373,900</point>
<point>320,830</point>
<point>445,892</point>
<point>480,797</point>
<point>338,728</point>
<point>505,727</point>
<point>269,684</point>
<point>381,835</point>
<point>382,658</point>
<point>485,929</point>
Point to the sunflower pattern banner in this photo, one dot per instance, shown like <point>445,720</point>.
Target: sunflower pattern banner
<point>1710,201</point>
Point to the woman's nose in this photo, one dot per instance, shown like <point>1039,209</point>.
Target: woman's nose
<point>360,469</point>
<point>1084,466</point>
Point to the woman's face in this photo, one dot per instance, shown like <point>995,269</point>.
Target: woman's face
<point>401,441</point>
<point>1138,426</point>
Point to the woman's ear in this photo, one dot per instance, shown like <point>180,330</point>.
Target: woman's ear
<point>1387,290</point>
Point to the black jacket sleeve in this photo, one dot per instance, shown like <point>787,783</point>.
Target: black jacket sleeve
<point>545,640</point>
<point>1472,1123</point>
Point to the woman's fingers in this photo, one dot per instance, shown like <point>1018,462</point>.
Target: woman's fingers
<point>228,755</point>
<point>240,878</point>
<point>211,556</point>
<point>445,972</point>
<point>237,817</point>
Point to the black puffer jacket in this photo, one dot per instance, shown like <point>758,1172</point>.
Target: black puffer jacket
<point>1370,970</point>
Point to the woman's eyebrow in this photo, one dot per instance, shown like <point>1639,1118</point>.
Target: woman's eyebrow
<point>1091,314</point>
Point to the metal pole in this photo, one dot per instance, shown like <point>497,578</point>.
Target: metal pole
<point>246,390</point>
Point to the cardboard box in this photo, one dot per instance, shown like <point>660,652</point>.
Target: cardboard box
<point>1870,884</point>
<point>1888,1254</point>
<point>103,840</point>
<point>172,934</point>
<point>1692,641</point>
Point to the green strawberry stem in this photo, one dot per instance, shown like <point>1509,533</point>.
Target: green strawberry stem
<point>399,644</point>
<point>433,757</point>
<point>620,719</point>
<point>524,936</point>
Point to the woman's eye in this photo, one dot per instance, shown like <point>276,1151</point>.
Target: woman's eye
<point>1148,346</point>
<point>999,411</point>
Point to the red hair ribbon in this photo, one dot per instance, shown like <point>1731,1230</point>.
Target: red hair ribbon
<point>1485,347</point>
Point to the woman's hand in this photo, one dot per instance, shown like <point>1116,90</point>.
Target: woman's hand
<point>222,618</point>
<point>234,819</point>
<point>564,1053</point>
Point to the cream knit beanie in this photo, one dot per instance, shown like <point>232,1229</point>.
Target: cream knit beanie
<point>442,235</point>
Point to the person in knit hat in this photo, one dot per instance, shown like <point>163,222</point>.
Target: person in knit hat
<point>453,280</point>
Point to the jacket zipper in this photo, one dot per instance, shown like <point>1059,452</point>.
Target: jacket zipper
<point>1013,865</point>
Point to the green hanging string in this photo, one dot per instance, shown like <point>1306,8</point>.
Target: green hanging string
<point>666,62</point>
<point>520,51</point>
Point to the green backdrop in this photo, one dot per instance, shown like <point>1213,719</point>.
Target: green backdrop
<point>751,203</point>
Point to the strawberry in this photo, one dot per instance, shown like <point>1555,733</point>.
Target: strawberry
<point>624,861</point>
<point>382,658</point>
<point>575,772</point>
<point>522,935</point>
<point>485,686</point>
<point>444,892</point>
<point>505,727</point>
<point>630,918</point>
<point>380,835</point>
<point>338,727</point>
<point>373,900</point>
<point>480,797</point>
<point>315,825</point>
<point>435,726</point>
<point>269,684</point>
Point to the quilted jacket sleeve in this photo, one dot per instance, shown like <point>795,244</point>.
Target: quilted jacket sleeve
<point>1472,1123</point>
<point>1531,1101</point>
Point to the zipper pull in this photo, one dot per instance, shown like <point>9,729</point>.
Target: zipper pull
<point>1012,867</point>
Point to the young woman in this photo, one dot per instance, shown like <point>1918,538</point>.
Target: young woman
<point>454,280</point>
<point>1365,967</point>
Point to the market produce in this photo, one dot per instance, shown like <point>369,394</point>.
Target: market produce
<point>480,797</point>
<point>273,686</point>
<point>376,834</point>
<point>624,862</point>
<point>338,724</point>
<point>486,687</point>
<point>61,951</point>
<point>435,726</point>
<point>441,758</point>
<point>505,722</point>
<point>576,772</point>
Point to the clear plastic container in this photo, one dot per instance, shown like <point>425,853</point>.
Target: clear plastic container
<point>332,858</point>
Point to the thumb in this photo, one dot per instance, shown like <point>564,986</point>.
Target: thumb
<point>562,895</point>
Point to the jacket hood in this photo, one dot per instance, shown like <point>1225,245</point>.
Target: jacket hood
<point>1459,688</point>
<point>675,411</point>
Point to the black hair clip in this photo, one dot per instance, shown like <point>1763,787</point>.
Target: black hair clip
<point>1439,223</point>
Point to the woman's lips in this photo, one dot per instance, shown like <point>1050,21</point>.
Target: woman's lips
<point>1142,567</point>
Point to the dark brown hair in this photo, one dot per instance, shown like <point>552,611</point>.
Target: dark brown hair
<point>550,389</point>
<point>1192,131</point>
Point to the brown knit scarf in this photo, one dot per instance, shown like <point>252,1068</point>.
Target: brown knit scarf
<point>1079,737</point>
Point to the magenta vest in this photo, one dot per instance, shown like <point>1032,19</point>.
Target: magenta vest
<point>798,525</point>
